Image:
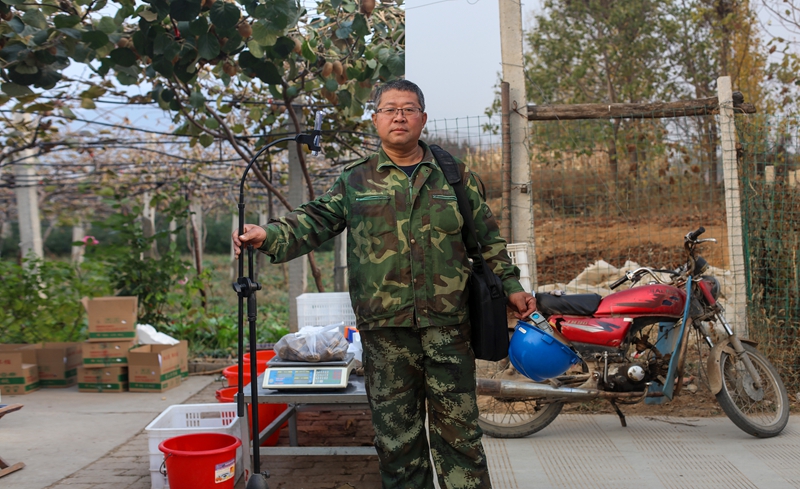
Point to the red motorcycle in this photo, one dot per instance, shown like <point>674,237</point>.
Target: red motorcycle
<point>629,347</point>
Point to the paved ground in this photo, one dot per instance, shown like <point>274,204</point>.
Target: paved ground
<point>69,443</point>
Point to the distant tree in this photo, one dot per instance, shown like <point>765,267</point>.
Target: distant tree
<point>597,51</point>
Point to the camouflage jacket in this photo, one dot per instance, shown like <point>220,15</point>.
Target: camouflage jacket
<point>406,257</point>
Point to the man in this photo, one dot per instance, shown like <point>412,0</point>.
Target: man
<point>408,269</point>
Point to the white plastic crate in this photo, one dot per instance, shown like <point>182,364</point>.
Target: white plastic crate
<point>186,419</point>
<point>519,257</point>
<point>324,308</point>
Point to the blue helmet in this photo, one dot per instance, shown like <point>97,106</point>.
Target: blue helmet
<point>538,355</point>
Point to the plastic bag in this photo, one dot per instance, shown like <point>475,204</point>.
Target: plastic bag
<point>313,345</point>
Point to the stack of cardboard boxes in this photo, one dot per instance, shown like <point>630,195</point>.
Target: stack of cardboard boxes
<point>112,332</point>
<point>19,373</point>
<point>111,360</point>
<point>25,368</point>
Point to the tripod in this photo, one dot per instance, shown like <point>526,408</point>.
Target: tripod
<point>246,287</point>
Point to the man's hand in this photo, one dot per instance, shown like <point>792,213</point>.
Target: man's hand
<point>254,235</point>
<point>522,303</point>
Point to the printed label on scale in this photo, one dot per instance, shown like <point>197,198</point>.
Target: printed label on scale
<point>225,471</point>
<point>290,377</point>
<point>328,377</point>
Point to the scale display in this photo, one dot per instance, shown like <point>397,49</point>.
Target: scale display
<point>301,375</point>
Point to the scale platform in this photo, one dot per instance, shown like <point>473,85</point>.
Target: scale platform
<point>284,374</point>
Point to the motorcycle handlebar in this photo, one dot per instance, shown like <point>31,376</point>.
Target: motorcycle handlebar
<point>619,282</point>
<point>695,234</point>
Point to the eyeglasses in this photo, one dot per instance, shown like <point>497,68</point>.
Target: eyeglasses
<point>406,111</point>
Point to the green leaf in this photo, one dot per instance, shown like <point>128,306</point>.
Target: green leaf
<point>95,39</point>
<point>197,100</point>
<point>35,18</point>
<point>208,46</point>
<point>164,66</point>
<point>16,24</point>
<point>127,79</point>
<point>224,15</point>
<point>199,26</point>
<point>232,44</point>
<point>87,103</point>
<point>107,25</point>
<point>67,112</point>
<point>184,10</point>
<point>397,64</point>
<point>211,123</point>
<point>264,35</point>
<point>207,139</point>
<point>360,26</point>
<point>255,48</point>
<point>148,15</point>
<point>255,114</point>
<point>345,30</point>
<point>308,53</point>
<point>331,85</point>
<point>283,46</point>
<point>123,57</point>
<point>15,90</point>
<point>65,20</point>
<point>24,69</point>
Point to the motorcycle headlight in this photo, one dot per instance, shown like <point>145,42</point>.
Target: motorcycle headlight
<point>714,283</point>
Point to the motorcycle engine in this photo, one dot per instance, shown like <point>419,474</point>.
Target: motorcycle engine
<point>626,377</point>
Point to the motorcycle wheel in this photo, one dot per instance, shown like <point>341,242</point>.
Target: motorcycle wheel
<point>762,413</point>
<point>511,418</point>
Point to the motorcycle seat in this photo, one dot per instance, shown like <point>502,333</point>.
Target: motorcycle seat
<point>568,305</point>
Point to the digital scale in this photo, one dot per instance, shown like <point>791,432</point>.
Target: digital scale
<point>284,374</point>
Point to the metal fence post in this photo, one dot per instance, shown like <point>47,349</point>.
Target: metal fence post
<point>737,305</point>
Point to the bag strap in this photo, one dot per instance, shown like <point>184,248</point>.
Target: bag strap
<point>450,169</point>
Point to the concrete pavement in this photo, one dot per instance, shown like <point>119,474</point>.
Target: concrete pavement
<point>72,440</point>
<point>579,451</point>
<point>59,431</point>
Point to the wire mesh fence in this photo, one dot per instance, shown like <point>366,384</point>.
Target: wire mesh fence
<point>769,165</point>
<point>608,194</point>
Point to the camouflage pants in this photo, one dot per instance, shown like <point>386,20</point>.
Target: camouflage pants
<point>407,369</point>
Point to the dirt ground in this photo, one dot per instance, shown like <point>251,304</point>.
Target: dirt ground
<point>565,247</point>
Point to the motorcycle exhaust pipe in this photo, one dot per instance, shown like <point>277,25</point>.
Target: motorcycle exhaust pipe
<point>520,390</point>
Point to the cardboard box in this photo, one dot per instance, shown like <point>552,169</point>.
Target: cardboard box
<point>21,379</point>
<point>108,354</point>
<point>154,368</point>
<point>25,351</point>
<point>106,379</point>
<point>58,363</point>
<point>183,352</point>
<point>112,318</point>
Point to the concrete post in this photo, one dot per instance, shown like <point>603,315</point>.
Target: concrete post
<point>340,263</point>
<point>298,268</point>
<point>30,228</point>
<point>521,202</point>
<point>736,307</point>
<point>78,233</point>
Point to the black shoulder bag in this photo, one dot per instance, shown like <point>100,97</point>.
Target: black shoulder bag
<point>487,300</point>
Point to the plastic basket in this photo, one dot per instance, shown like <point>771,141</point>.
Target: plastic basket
<point>324,308</point>
<point>185,419</point>
<point>518,252</point>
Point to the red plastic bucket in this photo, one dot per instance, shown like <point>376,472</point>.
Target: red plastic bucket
<point>265,355</point>
<point>232,373</point>
<point>201,460</point>
<point>266,414</point>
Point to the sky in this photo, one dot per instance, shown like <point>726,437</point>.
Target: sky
<point>453,54</point>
